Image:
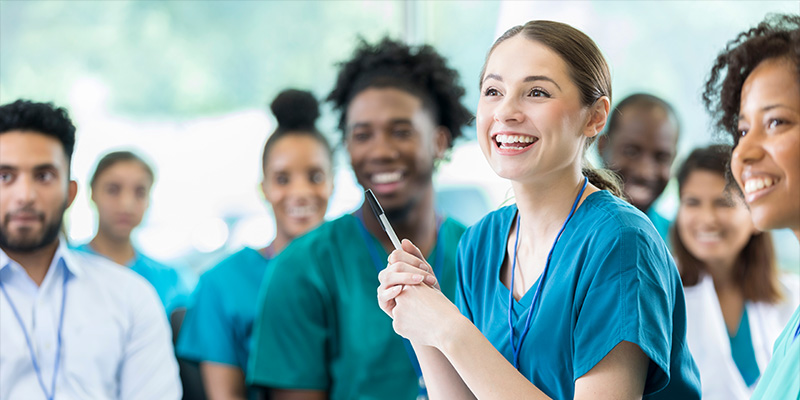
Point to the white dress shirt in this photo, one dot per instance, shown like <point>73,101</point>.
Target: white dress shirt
<point>707,336</point>
<point>116,341</point>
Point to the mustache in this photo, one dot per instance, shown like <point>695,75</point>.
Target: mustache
<point>25,211</point>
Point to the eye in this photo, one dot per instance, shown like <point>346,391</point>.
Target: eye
<point>282,179</point>
<point>774,122</point>
<point>402,132</point>
<point>112,189</point>
<point>690,202</point>
<point>316,177</point>
<point>360,136</point>
<point>45,176</point>
<point>141,193</point>
<point>489,92</point>
<point>538,92</point>
<point>5,177</point>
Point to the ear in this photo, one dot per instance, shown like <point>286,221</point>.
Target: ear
<point>442,139</point>
<point>264,190</point>
<point>72,191</point>
<point>597,117</point>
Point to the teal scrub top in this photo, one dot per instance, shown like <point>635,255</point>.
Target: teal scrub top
<point>219,321</point>
<point>662,224</point>
<point>611,279</point>
<point>742,352</point>
<point>172,285</point>
<point>319,326</point>
<point>781,379</point>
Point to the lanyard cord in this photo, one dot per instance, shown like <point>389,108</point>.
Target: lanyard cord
<point>517,348</point>
<point>49,395</point>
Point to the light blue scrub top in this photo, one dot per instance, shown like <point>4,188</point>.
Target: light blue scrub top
<point>219,321</point>
<point>781,379</point>
<point>611,279</point>
<point>173,286</point>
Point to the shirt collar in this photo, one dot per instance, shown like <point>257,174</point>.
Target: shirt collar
<point>62,252</point>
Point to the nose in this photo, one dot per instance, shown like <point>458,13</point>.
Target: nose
<point>749,148</point>
<point>508,111</point>
<point>25,190</point>
<point>302,187</point>
<point>383,147</point>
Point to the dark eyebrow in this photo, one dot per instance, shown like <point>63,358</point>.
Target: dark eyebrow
<point>531,78</point>
<point>44,166</point>
<point>766,108</point>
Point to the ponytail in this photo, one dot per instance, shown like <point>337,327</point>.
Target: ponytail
<point>603,179</point>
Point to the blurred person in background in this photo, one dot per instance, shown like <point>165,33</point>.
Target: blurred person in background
<point>753,93</point>
<point>640,144</point>
<point>72,325</point>
<point>737,302</point>
<point>297,183</point>
<point>319,333</point>
<point>120,189</point>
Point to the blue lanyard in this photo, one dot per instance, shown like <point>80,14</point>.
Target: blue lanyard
<point>517,347</point>
<point>380,265</point>
<point>796,332</point>
<point>56,364</point>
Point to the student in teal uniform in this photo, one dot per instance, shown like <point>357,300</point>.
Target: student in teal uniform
<point>319,333</point>
<point>640,144</point>
<point>754,95</point>
<point>120,189</point>
<point>570,293</point>
<point>297,183</point>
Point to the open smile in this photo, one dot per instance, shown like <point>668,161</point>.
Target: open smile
<point>513,143</point>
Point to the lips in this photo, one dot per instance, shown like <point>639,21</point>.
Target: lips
<point>753,185</point>
<point>386,181</point>
<point>302,211</point>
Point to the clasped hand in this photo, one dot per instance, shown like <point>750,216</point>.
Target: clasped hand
<point>409,293</point>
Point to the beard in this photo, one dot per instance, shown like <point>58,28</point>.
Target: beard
<point>25,243</point>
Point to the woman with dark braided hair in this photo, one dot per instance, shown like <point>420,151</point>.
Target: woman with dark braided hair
<point>754,95</point>
<point>320,334</point>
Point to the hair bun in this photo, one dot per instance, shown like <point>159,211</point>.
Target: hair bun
<point>295,109</point>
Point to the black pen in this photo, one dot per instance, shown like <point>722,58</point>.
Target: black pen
<point>378,210</point>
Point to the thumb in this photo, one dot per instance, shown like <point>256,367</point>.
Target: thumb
<point>410,248</point>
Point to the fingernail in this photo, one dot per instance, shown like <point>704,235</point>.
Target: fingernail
<point>417,278</point>
<point>430,280</point>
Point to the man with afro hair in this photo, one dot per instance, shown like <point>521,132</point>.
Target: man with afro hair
<point>319,332</point>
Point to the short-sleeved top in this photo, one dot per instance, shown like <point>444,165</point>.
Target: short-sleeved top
<point>219,320</point>
<point>172,286</point>
<point>611,279</point>
<point>319,326</point>
<point>781,379</point>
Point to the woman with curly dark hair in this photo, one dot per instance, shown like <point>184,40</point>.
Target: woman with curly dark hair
<point>737,301</point>
<point>320,333</point>
<point>754,94</point>
<point>568,294</point>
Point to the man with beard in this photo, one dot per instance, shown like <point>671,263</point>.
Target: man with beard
<point>319,333</point>
<point>640,144</point>
<point>72,325</point>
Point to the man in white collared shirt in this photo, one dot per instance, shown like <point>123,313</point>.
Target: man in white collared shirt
<point>72,325</point>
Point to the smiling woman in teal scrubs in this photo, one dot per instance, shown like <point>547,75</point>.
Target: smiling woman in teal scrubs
<point>297,184</point>
<point>121,192</point>
<point>570,293</point>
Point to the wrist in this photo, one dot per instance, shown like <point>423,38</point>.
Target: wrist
<point>454,326</point>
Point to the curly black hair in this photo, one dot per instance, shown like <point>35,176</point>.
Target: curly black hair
<point>45,118</point>
<point>775,37</point>
<point>297,112</point>
<point>418,70</point>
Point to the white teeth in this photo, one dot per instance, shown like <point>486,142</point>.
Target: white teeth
<point>386,177</point>
<point>514,139</point>
<point>301,211</point>
<point>756,184</point>
<point>708,236</point>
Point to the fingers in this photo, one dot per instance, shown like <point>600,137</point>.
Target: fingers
<point>404,274</point>
<point>412,249</point>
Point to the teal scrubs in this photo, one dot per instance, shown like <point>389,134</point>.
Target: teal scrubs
<point>611,279</point>
<point>781,379</point>
<point>172,285</point>
<point>319,326</point>
<point>219,321</point>
<point>744,356</point>
<point>662,224</point>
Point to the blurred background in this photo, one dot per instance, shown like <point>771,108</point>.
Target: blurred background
<point>186,84</point>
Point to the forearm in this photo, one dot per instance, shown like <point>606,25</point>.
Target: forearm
<point>485,371</point>
<point>441,379</point>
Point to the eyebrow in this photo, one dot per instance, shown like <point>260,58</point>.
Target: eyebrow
<point>531,78</point>
<point>394,121</point>
<point>766,108</point>
<point>35,168</point>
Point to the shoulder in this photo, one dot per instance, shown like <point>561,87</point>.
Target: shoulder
<point>330,237</point>
<point>108,277</point>
<point>231,263</point>
<point>790,285</point>
<point>606,217</point>
<point>492,224</point>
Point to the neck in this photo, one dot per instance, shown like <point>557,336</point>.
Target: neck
<point>545,204</point>
<point>280,242</point>
<point>797,233</point>
<point>36,263</point>
<point>417,225</point>
<point>721,273</point>
<point>119,250</point>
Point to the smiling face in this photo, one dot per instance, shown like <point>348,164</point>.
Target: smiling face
<point>122,194</point>
<point>712,223</point>
<point>641,150</point>
<point>393,143</point>
<point>34,190</point>
<point>530,119</point>
<point>766,159</point>
<point>297,183</point>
